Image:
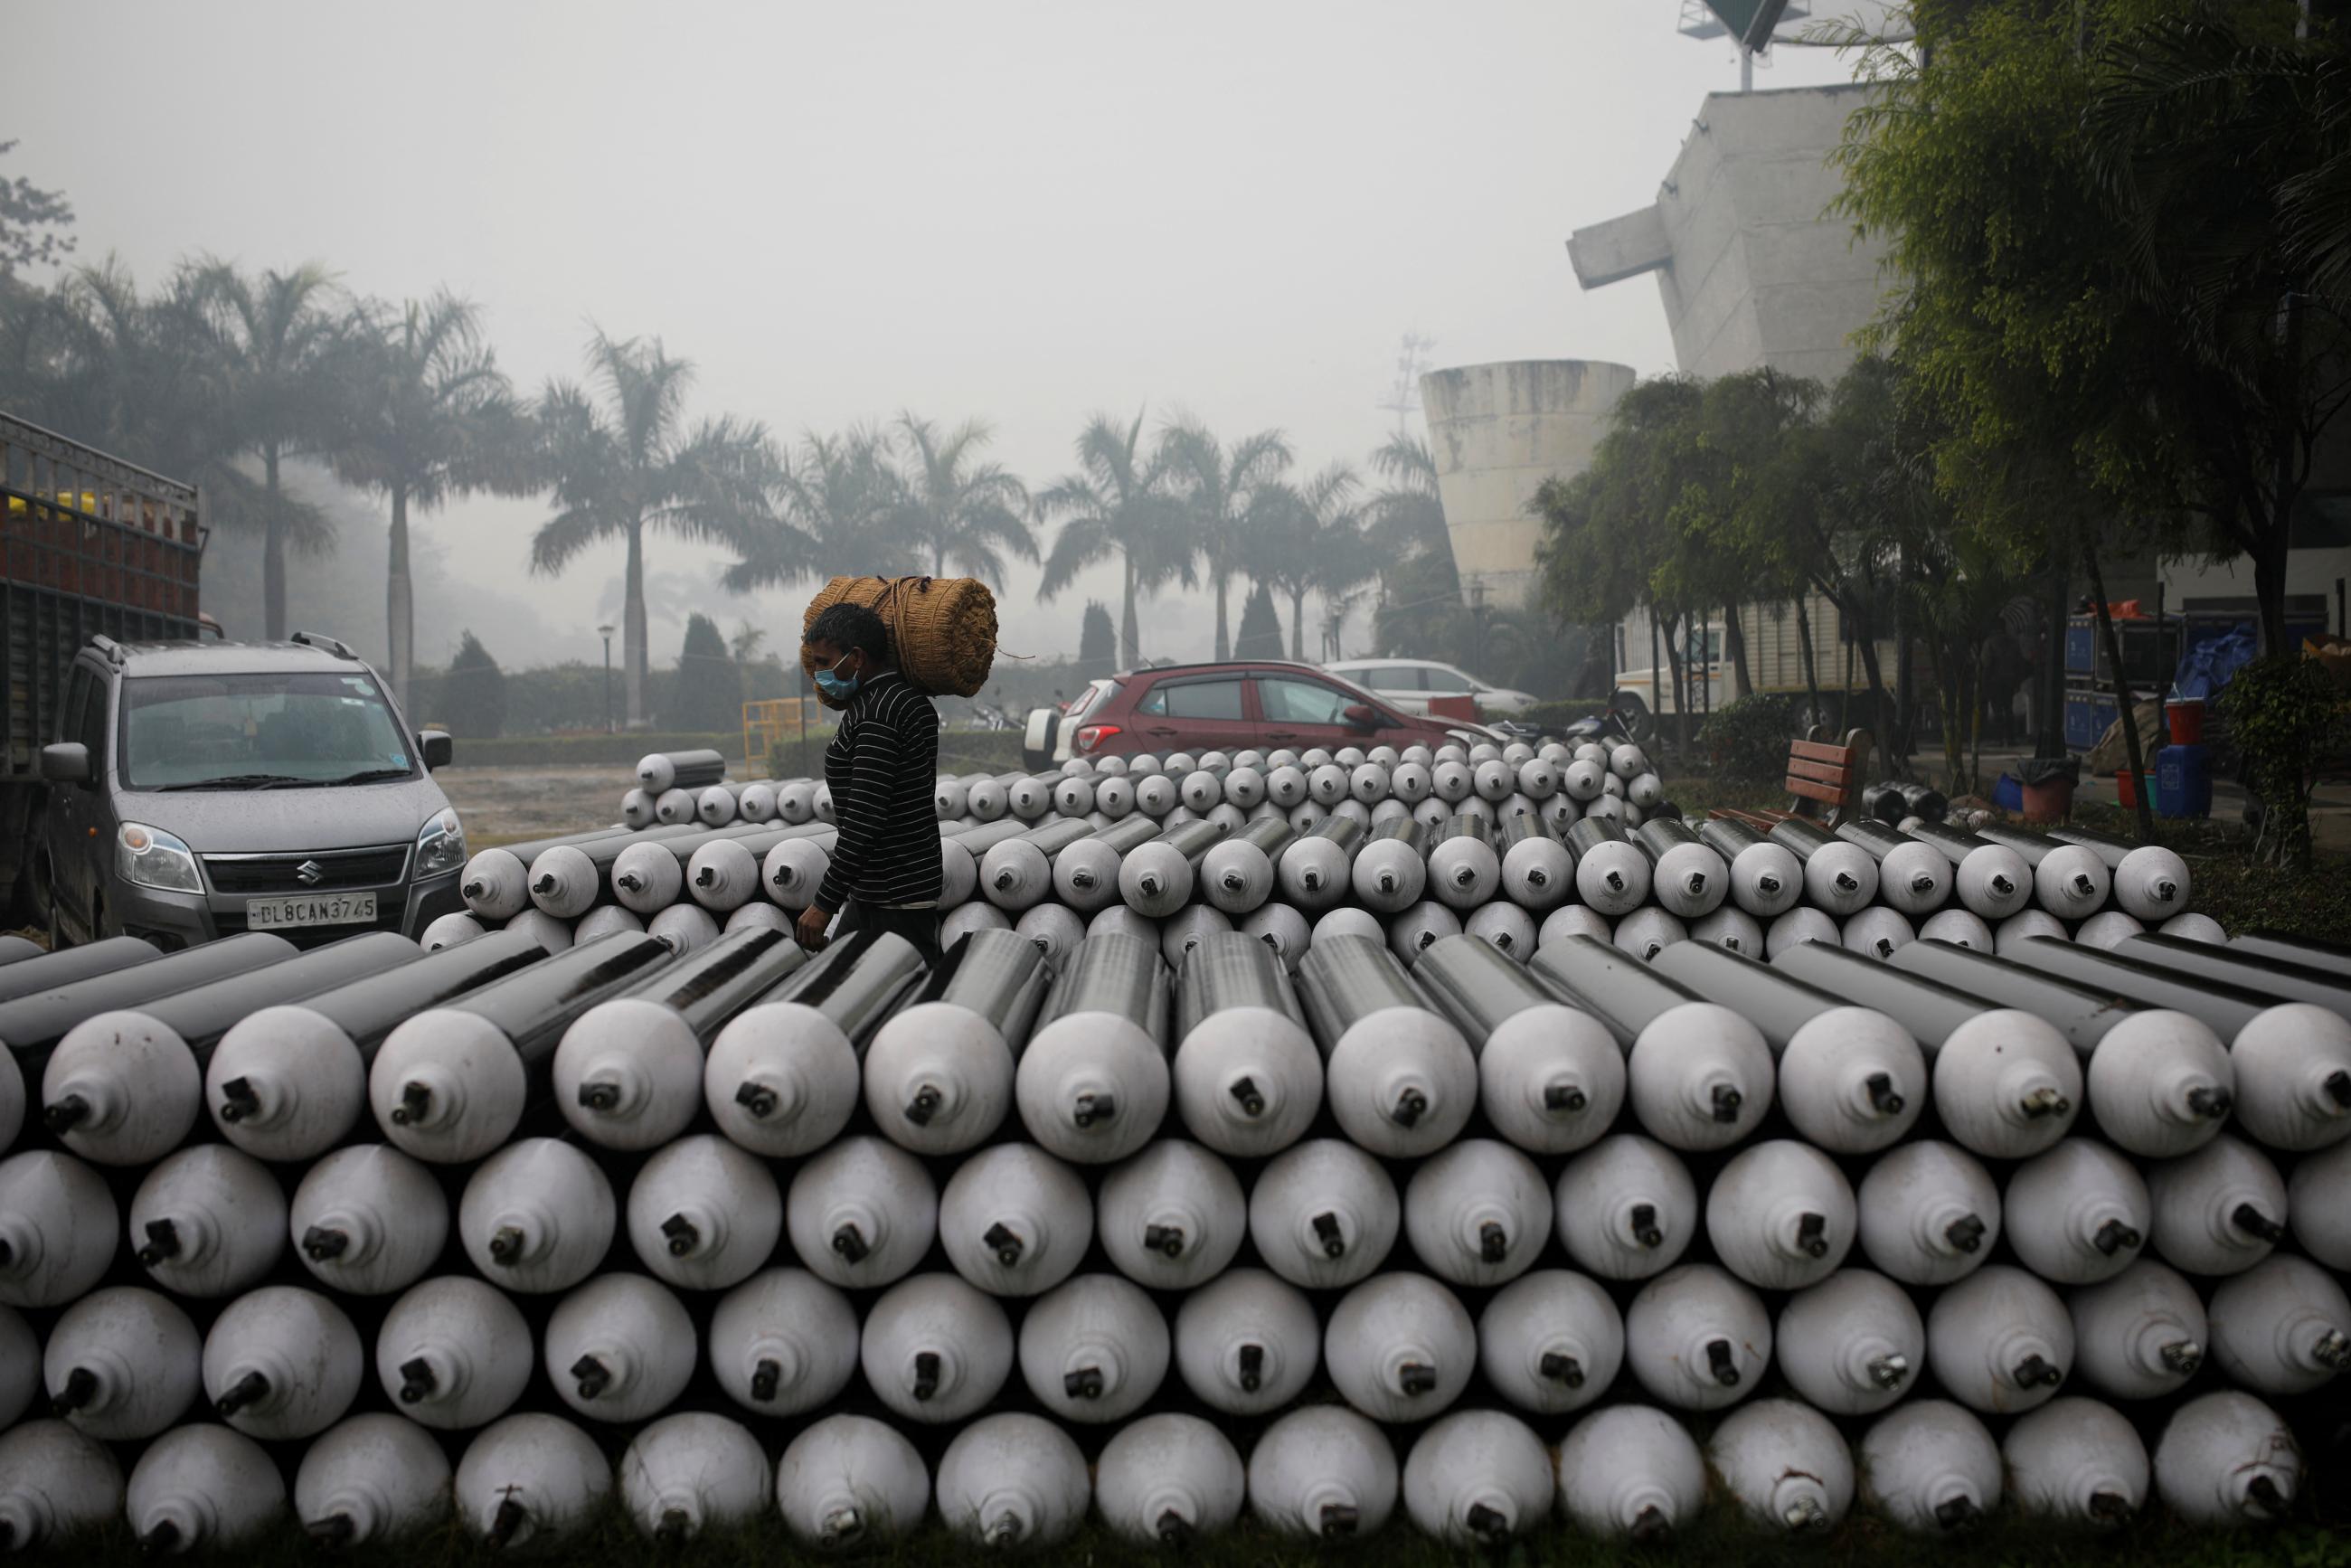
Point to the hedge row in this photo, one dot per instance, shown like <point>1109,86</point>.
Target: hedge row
<point>960,751</point>
<point>620,750</point>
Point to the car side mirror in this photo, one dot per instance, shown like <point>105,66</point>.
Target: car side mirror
<point>437,749</point>
<point>67,762</point>
<point>1360,716</point>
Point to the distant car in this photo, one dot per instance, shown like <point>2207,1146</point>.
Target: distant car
<point>1261,704</point>
<point>1409,684</point>
<point>199,789</point>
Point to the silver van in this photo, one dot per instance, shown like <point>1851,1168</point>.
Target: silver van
<point>199,789</point>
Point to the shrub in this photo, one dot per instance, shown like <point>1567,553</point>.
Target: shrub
<point>473,693</point>
<point>2287,717</point>
<point>1747,737</point>
<point>1259,636</point>
<point>709,694</point>
<point>1097,642</point>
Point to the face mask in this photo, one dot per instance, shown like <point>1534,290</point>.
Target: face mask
<point>839,688</point>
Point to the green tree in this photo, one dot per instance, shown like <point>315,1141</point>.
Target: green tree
<point>834,504</point>
<point>473,693</point>
<point>32,223</point>
<point>709,681</point>
<point>1116,505</point>
<point>623,459</point>
<point>1260,634</point>
<point>1097,642</point>
<point>432,417</point>
<point>1311,542</point>
<point>1226,495</point>
<point>274,341</point>
<point>957,511</point>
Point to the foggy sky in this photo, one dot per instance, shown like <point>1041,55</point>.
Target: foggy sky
<point>1023,211</point>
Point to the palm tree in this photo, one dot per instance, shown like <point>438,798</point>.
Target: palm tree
<point>1314,543</point>
<point>957,512</point>
<point>626,461</point>
<point>273,342</point>
<point>1407,518</point>
<point>432,417</point>
<point>1226,497</point>
<point>834,505</point>
<point>1115,503</point>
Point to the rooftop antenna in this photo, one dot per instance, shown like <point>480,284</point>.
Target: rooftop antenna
<point>1412,358</point>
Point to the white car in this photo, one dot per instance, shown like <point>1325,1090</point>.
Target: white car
<point>1410,683</point>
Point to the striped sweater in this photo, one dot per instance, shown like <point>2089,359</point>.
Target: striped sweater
<point>881,768</point>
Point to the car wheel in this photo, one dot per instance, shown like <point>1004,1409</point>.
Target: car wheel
<point>1637,719</point>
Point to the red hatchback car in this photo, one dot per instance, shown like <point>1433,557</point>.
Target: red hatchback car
<point>1265,704</point>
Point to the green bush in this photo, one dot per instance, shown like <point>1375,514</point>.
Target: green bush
<point>2287,717</point>
<point>620,750</point>
<point>709,692</point>
<point>1747,737</point>
<point>960,751</point>
<point>473,693</point>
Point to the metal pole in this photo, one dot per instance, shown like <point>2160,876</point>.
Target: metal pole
<point>607,630</point>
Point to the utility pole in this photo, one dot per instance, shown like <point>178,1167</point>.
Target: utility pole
<point>1404,398</point>
<point>607,632</point>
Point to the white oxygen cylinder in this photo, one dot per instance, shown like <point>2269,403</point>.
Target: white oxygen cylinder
<point>1572,920</point>
<point>1853,1081</point>
<point>538,1216</point>
<point>1284,930</point>
<point>1626,1207</point>
<point>2227,1459</point>
<point>1550,1080</point>
<point>1538,873</point>
<point>1507,926</point>
<point>862,1213</point>
<point>1780,1215</point>
<point>2077,1213</point>
<point>1630,1470</point>
<point>2104,930</point>
<point>2194,927</point>
<point>2292,1065</point>
<point>2001,1340</point>
<point>1797,926</point>
<point>683,928</point>
<point>935,1349</point>
<point>693,1472</point>
<point>453,1354</point>
<point>1928,1213</point>
<point>756,803</point>
<point>1840,879</point>
<point>781,1079</point>
<point>1786,1464</point>
<point>1700,1077</point>
<point>2281,1327</point>
<point>1766,879</point>
<point>2076,1461</point>
<point>1958,927</point>
<point>1324,1213</point>
<point>1551,1342</point>
<point>1246,1342</point>
<point>1994,882</point>
<point>553,935</point>
<point>675,806</point>
<point>2219,1211</point>
<point>1014,1220</point>
<point>2138,1335</point>
<point>721,877</point>
<point>1172,1217</point>
<point>1400,1347</point>
<point>1648,931</point>
<point>1168,1480</point>
<point>1929,1467</point>
<point>281,1361</point>
<point>619,1348</point>
<point>1053,930</point>
<point>2023,926</point>
<point>791,872</point>
<point>2007,1084</point>
<point>1876,931</point>
<point>783,1342</point>
<point>208,1221</point>
<point>2160,1084</point>
<point>121,1364</point>
<point>373,1477</point>
<point>198,1489</point>
<point>2319,1200</point>
<point>369,1220</point>
<point>1852,1345</point>
<point>1389,875</point>
<point>1013,1481</point>
<point>1477,1212</point>
<point>1478,1477</point>
<point>848,1479</point>
<point>122,1089</point>
<point>55,1482</point>
<point>1092,1084</point>
<point>530,1480</point>
<point>1323,1472</point>
<point>1015,875</point>
<point>703,1213</point>
<point>1095,1348</point>
<point>2070,883</point>
<point>450,930</point>
<point>1697,1338</point>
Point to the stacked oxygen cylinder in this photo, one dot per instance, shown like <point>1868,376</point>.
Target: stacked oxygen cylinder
<point>1463,1136</point>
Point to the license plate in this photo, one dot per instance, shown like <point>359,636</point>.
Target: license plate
<point>317,909</point>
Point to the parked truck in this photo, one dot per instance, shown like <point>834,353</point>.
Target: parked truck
<point>159,785</point>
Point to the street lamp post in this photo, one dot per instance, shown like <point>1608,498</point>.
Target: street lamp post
<point>607,632</point>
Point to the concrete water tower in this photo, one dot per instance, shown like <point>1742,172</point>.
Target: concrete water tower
<point>1497,431</point>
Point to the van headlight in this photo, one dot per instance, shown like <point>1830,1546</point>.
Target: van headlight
<point>149,857</point>
<point>440,844</point>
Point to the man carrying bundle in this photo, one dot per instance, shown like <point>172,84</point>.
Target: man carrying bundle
<point>881,768</point>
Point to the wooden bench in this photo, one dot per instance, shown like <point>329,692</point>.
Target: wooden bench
<point>1824,776</point>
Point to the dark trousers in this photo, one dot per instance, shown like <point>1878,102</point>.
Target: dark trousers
<point>919,927</point>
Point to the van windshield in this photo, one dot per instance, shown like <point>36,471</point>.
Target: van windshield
<point>282,730</point>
